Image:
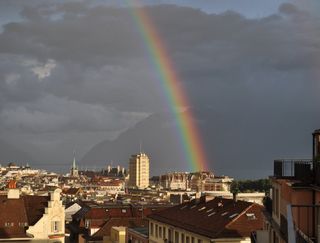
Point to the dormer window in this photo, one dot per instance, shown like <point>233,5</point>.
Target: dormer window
<point>23,224</point>
<point>87,223</point>
<point>251,216</point>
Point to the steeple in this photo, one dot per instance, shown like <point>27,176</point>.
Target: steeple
<point>74,169</point>
<point>74,160</point>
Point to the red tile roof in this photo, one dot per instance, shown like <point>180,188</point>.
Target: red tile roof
<point>218,218</point>
<point>17,214</point>
<point>128,222</point>
<point>72,191</point>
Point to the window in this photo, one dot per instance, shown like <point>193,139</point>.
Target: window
<point>176,237</point>
<point>192,239</point>
<point>23,224</point>
<point>123,210</point>
<point>151,228</point>
<point>225,213</point>
<point>164,232</point>
<point>251,216</point>
<point>7,224</point>
<point>55,226</point>
<point>160,232</point>
<point>156,231</point>
<point>199,241</point>
<point>276,202</point>
<point>233,215</point>
<point>187,239</point>
<point>87,223</point>
<point>182,238</point>
<point>170,235</point>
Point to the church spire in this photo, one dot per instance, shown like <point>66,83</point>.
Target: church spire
<point>74,170</point>
<point>74,160</point>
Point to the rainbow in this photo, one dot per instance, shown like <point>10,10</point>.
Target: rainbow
<point>174,91</point>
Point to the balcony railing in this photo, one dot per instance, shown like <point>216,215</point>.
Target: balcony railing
<point>299,169</point>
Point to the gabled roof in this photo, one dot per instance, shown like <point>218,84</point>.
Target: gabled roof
<point>72,191</point>
<point>20,213</point>
<point>128,222</point>
<point>114,210</point>
<point>218,218</point>
<point>35,207</point>
<point>81,213</point>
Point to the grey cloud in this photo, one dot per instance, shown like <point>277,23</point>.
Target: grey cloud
<point>290,9</point>
<point>52,114</point>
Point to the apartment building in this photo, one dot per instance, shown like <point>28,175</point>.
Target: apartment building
<point>175,181</point>
<point>292,209</point>
<point>93,222</point>
<point>139,171</point>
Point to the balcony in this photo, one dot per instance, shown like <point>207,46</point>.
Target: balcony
<point>298,169</point>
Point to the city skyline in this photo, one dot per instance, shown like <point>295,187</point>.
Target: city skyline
<point>77,75</point>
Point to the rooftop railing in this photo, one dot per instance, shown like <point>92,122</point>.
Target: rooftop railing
<point>299,169</point>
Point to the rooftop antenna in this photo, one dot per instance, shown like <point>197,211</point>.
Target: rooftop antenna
<point>141,147</point>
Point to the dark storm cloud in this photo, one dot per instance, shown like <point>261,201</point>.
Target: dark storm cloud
<point>67,67</point>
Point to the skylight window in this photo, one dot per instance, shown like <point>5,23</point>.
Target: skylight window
<point>184,207</point>
<point>209,210</point>
<point>203,208</point>
<point>193,206</point>
<point>233,215</point>
<point>213,213</point>
<point>223,214</point>
<point>251,216</point>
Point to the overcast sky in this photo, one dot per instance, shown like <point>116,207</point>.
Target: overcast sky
<point>74,73</point>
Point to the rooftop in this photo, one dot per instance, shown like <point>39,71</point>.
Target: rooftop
<point>218,218</point>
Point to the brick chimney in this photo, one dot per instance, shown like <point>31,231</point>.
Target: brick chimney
<point>13,191</point>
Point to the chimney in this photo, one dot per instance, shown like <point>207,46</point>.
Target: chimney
<point>316,145</point>
<point>234,196</point>
<point>203,199</point>
<point>13,191</point>
<point>316,153</point>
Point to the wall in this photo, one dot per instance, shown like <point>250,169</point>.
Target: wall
<point>159,238</point>
<point>54,212</point>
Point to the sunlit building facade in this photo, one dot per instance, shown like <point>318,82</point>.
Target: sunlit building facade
<point>139,171</point>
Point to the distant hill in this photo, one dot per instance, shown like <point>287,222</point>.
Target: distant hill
<point>157,135</point>
<point>238,146</point>
<point>10,153</point>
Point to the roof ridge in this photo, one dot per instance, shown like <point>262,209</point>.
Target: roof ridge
<point>239,215</point>
<point>235,218</point>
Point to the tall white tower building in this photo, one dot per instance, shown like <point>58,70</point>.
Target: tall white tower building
<point>139,171</point>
